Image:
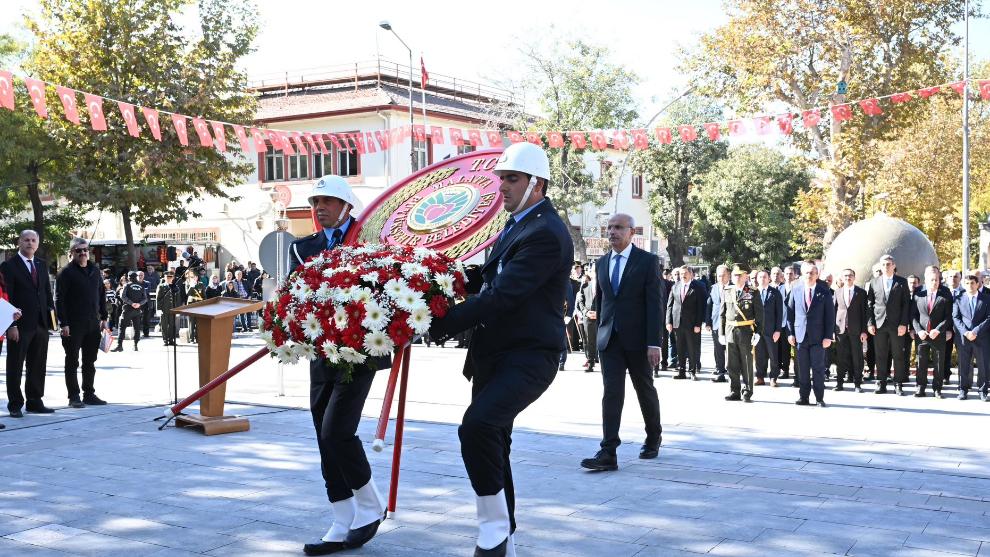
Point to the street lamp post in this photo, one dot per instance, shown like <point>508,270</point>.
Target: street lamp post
<point>965,154</point>
<point>412,149</point>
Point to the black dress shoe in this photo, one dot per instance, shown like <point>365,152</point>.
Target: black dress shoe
<point>802,402</point>
<point>882,389</point>
<point>785,375</point>
<point>748,397</point>
<point>899,390</point>
<point>76,403</point>
<point>837,387</point>
<point>663,367</point>
<point>733,397</point>
<point>16,414</point>
<point>118,349</point>
<point>983,397</point>
<point>920,393</point>
<point>720,378</point>
<point>590,370</point>
<point>93,400</point>
<point>39,409</point>
<point>649,451</point>
<point>694,376</point>
<point>3,426</point>
<point>323,548</point>
<point>656,374</point>
<point>820,404</point>
<point>497,551</point>
<point>858,389</point>
<point>603,461</point>
<point>681,375</point>
<point>938,394</point>
<point>357,537</point>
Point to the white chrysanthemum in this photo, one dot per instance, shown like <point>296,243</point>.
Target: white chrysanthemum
<point>305,351</point>
<point>340,318</point>
<point>445,282</point>
<point>301,291</point>
<point>422,253</point>
<point>330,349</point>
<point>266,336</point>
<point>395,287</point>
<point>289,318</point>
<point>371,277</point>
<point>323,293</point>
<point>420,319</point>
<point>317,261</point>
<point>366,249</point>
<point>361,295</point>
<point>350,355</point>
<point>375,317</point>
<point>409,270</point>
<point>385,262</point>
<point>311,326</point>
<point>409,299</point>
<point>378,343</point>
<point>287,354</point>
<point>329,272</point>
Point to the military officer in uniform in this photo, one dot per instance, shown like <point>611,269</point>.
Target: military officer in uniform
<point>741,317</point>
<point>133,297</point>
<point>167,298</point>
<point>358,507</point>
<point>518,317</point>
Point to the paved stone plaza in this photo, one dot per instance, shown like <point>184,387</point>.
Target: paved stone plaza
<point>870,475</point>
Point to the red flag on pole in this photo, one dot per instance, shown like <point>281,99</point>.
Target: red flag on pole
<point>641,141</point>
<point>598,141</point>
<point>928,92</point>
<point>516,137</point>
<point>36,89</point>
<point>687,133</point>
<point>664,137</point>
<point>382,136</point>
<point>534,138</point>
<point>7,90</point>
<point>578,140</point>
<point>151,117</point>
<point>494,138</point>
<point>474,137</point>
<point>785,122</point>
<point>959,87</point>
<point>127,112</point>
<point>436,135</point>
<point>242,138</point>
<point>898,98</point>
<point>94,104</point>
<point>714,130</point>
<point>456,137</point>
<point>555,140</point>
<point>203,131</point>
<point>369,143</point>
<point>68,97</point>
<point>419,133</point>
<point>358,139</point>
<point>424,77</point>
<point>313,147</point>
<point>984,89</point>
<point>842,112</point>
<point>179,123</point>
<point>871,107</point>
<point>220,136</point>
<point>336,142</point>
<point>286,143</point>
<point>300,146</point>
<point>259,141</point>
<point>810,118</point>
<point>620,140</point>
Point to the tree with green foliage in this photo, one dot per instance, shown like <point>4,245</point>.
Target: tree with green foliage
<point>134,51</point>
<point>741,207</point>
<point>673,170</point>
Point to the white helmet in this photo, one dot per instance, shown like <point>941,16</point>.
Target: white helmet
<point>332,185</point>
<point>526,158</point>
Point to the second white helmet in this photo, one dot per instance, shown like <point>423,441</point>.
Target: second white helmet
<point>526,158</point>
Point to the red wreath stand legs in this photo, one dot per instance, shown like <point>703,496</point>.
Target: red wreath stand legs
<point>401,361</point>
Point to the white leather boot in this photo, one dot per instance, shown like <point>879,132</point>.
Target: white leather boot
<point>493,521</point>
<point>343,516</point>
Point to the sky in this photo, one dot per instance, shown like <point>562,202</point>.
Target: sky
<point>479,42</point>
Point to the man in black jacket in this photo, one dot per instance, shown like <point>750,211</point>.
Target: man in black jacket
<point>29,290</point>
<point>133,298</point>
<point>684,316</point>
<point>773,322</point>
<point>888,298</point>
<point>931,319</point>
<point>80,304</point>
<point>518,317</point>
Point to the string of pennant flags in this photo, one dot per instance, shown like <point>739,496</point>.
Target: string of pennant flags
<point>291,142</point>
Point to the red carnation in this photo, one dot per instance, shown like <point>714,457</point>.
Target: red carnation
<point>438,306</point>
<point>353,336</point>
<point>419,284</point>
<point>278,336</point>
<point>355,312</point>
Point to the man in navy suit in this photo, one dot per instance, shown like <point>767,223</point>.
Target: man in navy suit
<point>931,319</point>
<point>970,316</point>
<point>773,319</point>
<point>627,301</point>
<point>684,316</point>
<point>784,347</point>
<point>713,319</point>
<point>518,315</point>
<point>335,404</point>
<point>811,326</point>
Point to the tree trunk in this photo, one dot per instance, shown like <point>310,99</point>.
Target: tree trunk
<point>125,214</point>
<point>580,247</point>
<point>676,249</point>
<point>37,209</point>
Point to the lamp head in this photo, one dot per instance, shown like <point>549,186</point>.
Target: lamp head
<point>384,24</point>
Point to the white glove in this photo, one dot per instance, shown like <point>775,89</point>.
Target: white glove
<point>756,339</point>
<point>721,339</point>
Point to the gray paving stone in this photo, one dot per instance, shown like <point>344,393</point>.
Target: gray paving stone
<point>944,544</point>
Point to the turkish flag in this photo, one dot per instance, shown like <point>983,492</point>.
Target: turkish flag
<point>242,138</point>
<point>68,97</point>
<point>358,140</point>
<point>300,145</point>
<point>127,113</point>
<point>336,142</point>
<point>534,138</point>
<point>382,136</point>
<point>763,125</point>
<point>318,138</point>
<point>714,130</point>
<point>598,141</point>
<point>419,133</point>
<point>456,137</point>
<point>436,135</point>
<point>959,87</point>
<point>842,112</point>
<point>984,89</point>
<point>36,90</point>
<point>664,136</point>
<point>898,98</point>
<point>687,133</point>
<point>641,141</point>
<point>928,92</point>
<point>313,147</point>
<point>871,106</point>
<point>474,136</point>
<point>7,90</point>
<point>203,132</point>
<point>286,143</point>
<point>179,123</point>
<point>494,138</point>
<point>516,137</point>
<point>369,143</point>
<point>578,140</point>
<point>620,140</point>
<point>555,140</point>
<point>94,104</point>
<point>811,118</point>
<point>151,117</point>
<point>260,145</point>
<point>785,123</point>
<point>220,136</point>
<point>737,127</point>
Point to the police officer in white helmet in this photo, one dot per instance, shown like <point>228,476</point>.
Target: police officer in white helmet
<point>518,320</point>
<point>358,507</point>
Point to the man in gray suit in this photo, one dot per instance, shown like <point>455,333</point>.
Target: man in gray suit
<point>850,329</point>
<point>888,298</point>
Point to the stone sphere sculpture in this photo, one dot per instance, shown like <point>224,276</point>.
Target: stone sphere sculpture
<point>860,246</point>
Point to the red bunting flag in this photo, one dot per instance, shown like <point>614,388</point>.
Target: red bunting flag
<point>763,125</point>
<point>36,90</point>
<point>358,140</point>
<point>369,143</point>
<point>555,140</point>
<point>203,132</point>
<point>242,138</point>
<point>424,77</point>
<point>220,136</point>
<point>436,135</point>
<point>664,136</point>
<point>598,141</point>
<point>494,138</point>
<point>179,123</point>
<point>984,89</point>
<point>300,145</point>
<point>898,98</point>
<point>474,137</point>
<point>419,133</point>
<point>641,141</point>
<point>578,140</point>
<point>285,143</point>
<point>7,90</point>
<point>959,87</point>
<point>620,140</point>
<point>94,104</point>
<point>737,127</point>
<point>516,137</point>
<point>313,147</point>
<point>871,107</point>
<point>785,123</point>
<point>151,117</point>
<point>335,141</point>
<point>928,92</point>
<point>714,130</point>
<point>687,133</point>
<point>382,136</point>
<point>68,97</point>
<point>259,141</point>
<point>810,118</point>
<point>130,120</point>
<point>456,137</point>
<point>534,138</point>
<point>842,112</point>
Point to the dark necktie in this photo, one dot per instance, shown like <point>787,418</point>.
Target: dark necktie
<point>34,271</point>
<point>505,231</point>
<point>334,238</point>
<point>616,273</point>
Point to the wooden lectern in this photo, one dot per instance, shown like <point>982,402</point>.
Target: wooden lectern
<point>215,323</point>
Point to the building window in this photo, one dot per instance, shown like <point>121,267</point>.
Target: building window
<point>637,186</point>
<point>423,153</point>
<point>466,148</point>
<point>348,161</point>
<point>605,166</point>
<point>298,166</point>
<point>322,164</point>
<point>638,230</point>
<point>274,169</point>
